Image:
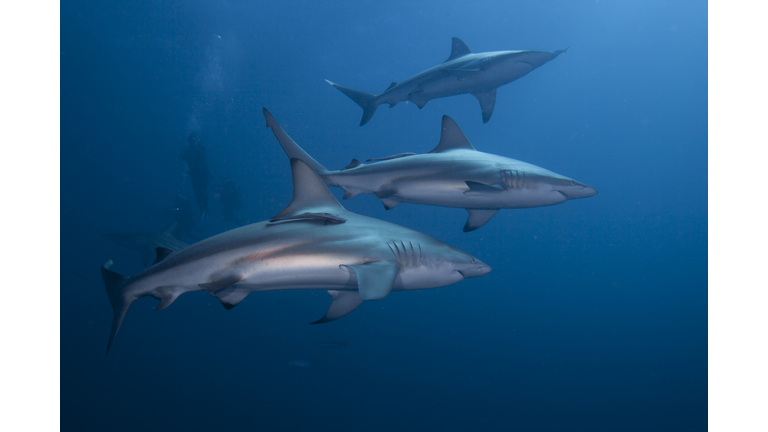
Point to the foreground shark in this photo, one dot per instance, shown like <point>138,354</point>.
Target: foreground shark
<point>313,244</point>
<point>151,246</point>
<point>453,174</point>
<point>479,74</point>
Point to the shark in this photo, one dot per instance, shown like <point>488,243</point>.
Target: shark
<point>152,247</point>
<point>314,243</point>
<point>478,74</point>
<point>453,174</point>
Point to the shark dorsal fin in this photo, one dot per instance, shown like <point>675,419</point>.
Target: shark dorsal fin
<point>391,85</point>
<point>309,191</point>
<point>452,137</point>
<point>458,49</point>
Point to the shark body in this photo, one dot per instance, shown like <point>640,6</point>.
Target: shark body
<point>453,174</point>
<point>478,74</point>
<point>313,244</point>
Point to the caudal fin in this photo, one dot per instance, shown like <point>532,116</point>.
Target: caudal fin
<point>290,147</point>
<point>114,283</point>
<point>366,101</point>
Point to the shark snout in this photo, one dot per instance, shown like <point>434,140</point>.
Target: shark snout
<point>475,269</point>
<point>575,190</point>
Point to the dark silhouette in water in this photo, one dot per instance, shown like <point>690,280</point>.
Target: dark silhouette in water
<point>230,197</point>
<point>152,246</point>
<point>184,214</point>
<point>194,156</point>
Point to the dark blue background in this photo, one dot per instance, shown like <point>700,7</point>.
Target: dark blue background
<point>595,314</point>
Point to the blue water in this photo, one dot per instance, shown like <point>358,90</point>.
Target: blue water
<point>594,317</point>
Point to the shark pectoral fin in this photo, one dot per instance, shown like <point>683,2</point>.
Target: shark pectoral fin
<point>161,253</point>
<point>231,296</point>
<point>389,201</point>
<point>375,280</point>
<point>478,218</point>
<point>220,284</point>
<point>343,303</point>
<point>487,102</point>
<point>477,188</point>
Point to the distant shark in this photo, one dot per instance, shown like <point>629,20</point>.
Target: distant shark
<point>478,74</point>
<point>151,246</point>
<point>453,174</point>
<point>313,244</point>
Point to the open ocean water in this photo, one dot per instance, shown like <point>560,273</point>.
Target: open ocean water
<point>594,317</point>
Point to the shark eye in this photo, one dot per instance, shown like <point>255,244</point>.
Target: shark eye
<point>473,260</point>
<point>573,183</point>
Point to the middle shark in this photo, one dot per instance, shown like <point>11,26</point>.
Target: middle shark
<point>313,244</point>
<point>453,174</point>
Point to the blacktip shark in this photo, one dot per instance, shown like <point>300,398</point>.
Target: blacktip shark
<point>453,174</point>
<point>478,74</point>
<point>313,244</point>
<point>152,247</point>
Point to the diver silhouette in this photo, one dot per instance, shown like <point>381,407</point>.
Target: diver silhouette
<point>230,197</point>
<point>194,156</point>
<point>184,214</point>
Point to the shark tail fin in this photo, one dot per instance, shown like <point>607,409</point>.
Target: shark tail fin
<point>290,147</point>
<point>367,101</point>
<point>558,52</point>
<point>114,283</point>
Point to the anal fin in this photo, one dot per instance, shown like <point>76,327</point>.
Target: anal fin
<point>389,201</point>
<point>478,217</point>
<point>166,295</point>
<point>231,297</point>
<point>343,303</point>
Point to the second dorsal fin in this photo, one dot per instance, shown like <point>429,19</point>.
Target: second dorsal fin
<point>161,253</point>
<point>353,164</point>
<point>452,137</point>
<point>309,191</point>
<point>458,49</point>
